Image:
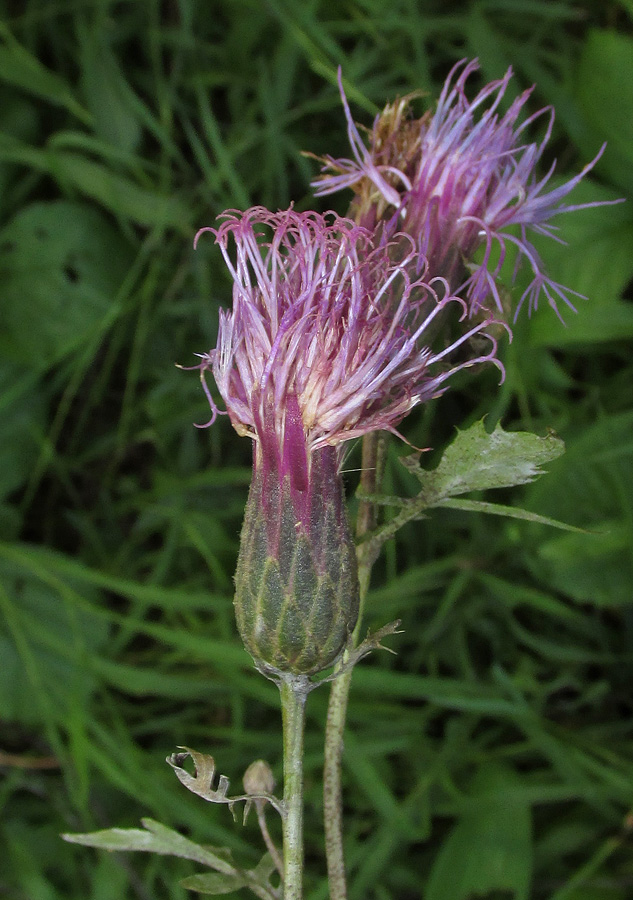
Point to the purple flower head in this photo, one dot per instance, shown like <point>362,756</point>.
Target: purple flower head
<point>328,338</point>
<point>456,181</point>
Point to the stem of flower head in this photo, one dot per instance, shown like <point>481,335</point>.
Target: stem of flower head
<point>373,458</point>
<point>260,809</point>
<point>332,793</point>
<point>294,690</point>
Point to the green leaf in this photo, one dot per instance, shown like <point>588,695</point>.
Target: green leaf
<point>21,69</point>
<point>591,237</point>
<point>605,93</point>
<point>263,870</point>
<point>592,482</point>
<point>61,264</point>
<point>18,117</point>
<point>510,512</point>
<point>257,879</point>
<point>490,848</point>
<point>591,487</point>
<point>22,425</point>
<point>107,93</point>
<point>477,461</point>
<point>156,838</point>
<point>448,693</point>
<point>209,883</point>
<point>589,567</point>
<point>45,647</point>
<point>117,193</point>
<point>611,321</point>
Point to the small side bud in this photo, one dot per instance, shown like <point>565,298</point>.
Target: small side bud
<point>258,778</point>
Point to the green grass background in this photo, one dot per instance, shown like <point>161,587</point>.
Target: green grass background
<point>493,756</point>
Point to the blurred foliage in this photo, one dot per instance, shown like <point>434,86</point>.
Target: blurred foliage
<point>492,758</point>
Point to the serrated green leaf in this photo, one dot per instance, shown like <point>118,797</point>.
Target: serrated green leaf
<point>475,461</point>
<point>478,461</point>
<point>209,883</point>
<point>156,838</point>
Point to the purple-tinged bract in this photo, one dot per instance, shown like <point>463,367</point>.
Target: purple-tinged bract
<point>456,181</point>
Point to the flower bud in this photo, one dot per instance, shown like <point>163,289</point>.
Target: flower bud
<point>296,586</point>
<point>258,778</point>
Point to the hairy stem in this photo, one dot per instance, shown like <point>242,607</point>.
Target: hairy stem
<point>373,454</point>
<point>294,690</point>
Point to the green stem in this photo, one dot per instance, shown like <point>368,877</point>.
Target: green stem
<point>332,792</point>
<point>373,455</point>
<point>294,690</point>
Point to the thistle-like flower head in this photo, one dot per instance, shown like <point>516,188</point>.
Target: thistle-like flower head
<point>328,338</point>
<point>456,180</point>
